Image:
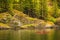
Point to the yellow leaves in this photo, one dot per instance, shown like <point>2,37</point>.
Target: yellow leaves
<point>29,18</point>
<point>50,10</point>
<point>51,23</point>
<point>33,0</point>
<point>28,25</point>
<point>58,12</point>
<point>4,15</point>
<point>2,25</point>
<point>17,0</point>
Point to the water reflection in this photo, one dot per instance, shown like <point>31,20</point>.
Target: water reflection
<point>28,35</point>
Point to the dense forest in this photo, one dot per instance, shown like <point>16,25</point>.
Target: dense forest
<point>29,12</point>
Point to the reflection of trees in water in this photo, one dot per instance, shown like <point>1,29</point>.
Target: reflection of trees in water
<point>27,35</point>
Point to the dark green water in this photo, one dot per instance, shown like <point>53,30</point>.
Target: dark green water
<point>28,35</point>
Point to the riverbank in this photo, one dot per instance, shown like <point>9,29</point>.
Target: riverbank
<point>22,21</point>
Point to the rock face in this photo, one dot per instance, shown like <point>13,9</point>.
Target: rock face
<point>11,21</point>
<point>46,25</point>
<point>29,22</point>
<point>15,23</point>
<point>24,21</point>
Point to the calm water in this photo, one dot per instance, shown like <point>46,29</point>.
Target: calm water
<point>28,35</point>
